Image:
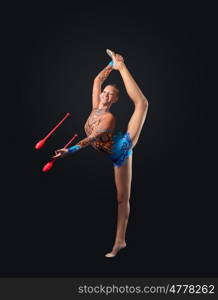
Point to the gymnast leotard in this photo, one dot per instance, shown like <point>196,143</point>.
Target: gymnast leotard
<point>121,148</point>
<point>117,147</point>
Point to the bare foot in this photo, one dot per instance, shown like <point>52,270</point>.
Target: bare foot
<point>116,248</point>
<point>110,52</point>
<point>117,59</point>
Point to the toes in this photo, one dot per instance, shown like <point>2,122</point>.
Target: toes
<point>110,53</point>
<point>115,251</point>
<point>110,255</point>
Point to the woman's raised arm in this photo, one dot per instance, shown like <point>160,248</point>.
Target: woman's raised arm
<point>99,79</point>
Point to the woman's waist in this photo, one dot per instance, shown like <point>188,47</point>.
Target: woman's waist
<point>117,142</point>
<point>103,146</point>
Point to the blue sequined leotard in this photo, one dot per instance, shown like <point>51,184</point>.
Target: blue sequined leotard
<point>121,148</point>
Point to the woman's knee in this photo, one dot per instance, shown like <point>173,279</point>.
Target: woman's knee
<point>142,105</point>
<point>123,197</point>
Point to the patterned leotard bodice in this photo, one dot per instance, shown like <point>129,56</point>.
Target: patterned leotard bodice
<point>104,143</point>
<point>116,146</point>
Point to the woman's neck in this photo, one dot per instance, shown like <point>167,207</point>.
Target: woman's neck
<point>103,108</point>
<point>100,111</point>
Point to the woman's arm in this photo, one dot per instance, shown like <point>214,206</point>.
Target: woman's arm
<point>99,79</point>
<point>106,125</point>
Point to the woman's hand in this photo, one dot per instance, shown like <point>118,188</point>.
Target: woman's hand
<point>118,60</point>
<point>60,153</point>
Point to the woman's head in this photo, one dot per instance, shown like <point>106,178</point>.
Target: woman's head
<point>110,94</point>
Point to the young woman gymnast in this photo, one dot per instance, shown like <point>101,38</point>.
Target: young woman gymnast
<point>100,131</point>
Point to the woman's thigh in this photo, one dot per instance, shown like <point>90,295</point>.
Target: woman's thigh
<point>136,123</point>
<point>123,177</point>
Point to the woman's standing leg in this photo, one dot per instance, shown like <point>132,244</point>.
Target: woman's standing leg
<point>123,178</point>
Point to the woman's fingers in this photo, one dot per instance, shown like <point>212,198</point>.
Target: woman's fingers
<point>56,156</point>
<point>58,153</point>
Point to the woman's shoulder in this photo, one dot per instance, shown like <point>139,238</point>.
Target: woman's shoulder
<point>109,115</point>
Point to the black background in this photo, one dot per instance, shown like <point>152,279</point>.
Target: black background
<point>63,222</point>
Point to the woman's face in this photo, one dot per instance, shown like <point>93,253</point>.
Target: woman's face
<point>109,95</point>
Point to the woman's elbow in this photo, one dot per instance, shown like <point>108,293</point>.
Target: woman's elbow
<point>97,79</point>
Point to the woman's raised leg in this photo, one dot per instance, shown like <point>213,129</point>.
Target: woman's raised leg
<point>139,100</point>
<point>141,105</point>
